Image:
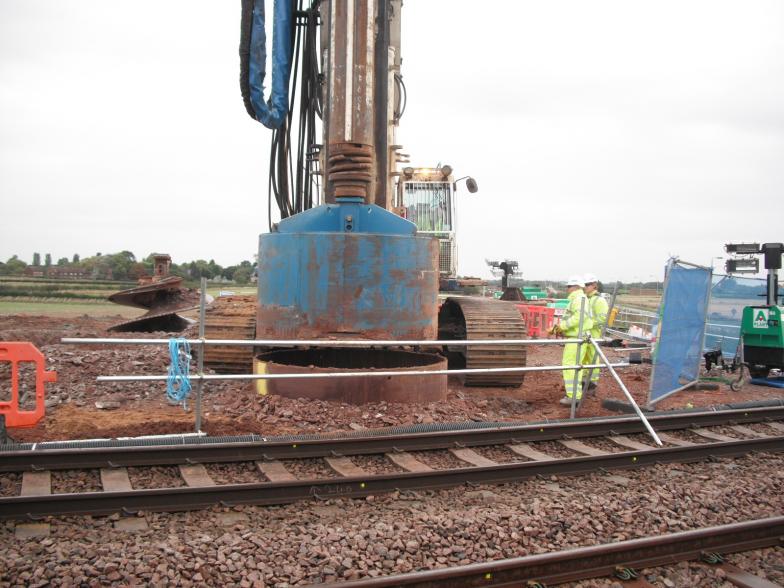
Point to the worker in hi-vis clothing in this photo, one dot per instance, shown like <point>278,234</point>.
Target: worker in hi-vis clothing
<point>598,308</point>
<point>569,326</point>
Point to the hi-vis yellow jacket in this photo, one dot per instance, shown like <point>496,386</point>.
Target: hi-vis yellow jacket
<point>570,322</point>
<point>598,308</point>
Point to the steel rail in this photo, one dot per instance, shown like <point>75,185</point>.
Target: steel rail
<point>365,374</point>
<point>270,493</point>
<point>324,342</point>
<point>82,457</point>
<point>595,561</point>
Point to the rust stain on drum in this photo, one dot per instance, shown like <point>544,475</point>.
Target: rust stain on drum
<point>356,390</point>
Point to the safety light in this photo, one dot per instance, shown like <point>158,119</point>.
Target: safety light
<point>742,248</point>
<point>742,266</point>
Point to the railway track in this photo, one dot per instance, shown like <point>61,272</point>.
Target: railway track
<point>283,470</point>
<point>620,560</point>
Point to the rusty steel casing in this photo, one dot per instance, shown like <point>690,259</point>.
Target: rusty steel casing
<point>347,270</point>
<point>316,285</point>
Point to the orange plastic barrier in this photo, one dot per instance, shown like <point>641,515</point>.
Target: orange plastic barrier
<point>538,319</point>
<point>16,352</point>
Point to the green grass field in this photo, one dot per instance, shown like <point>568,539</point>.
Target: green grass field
<point>66,308</point>
<point>238,290</point>
<point>635,301</point>
<point>47,304</point>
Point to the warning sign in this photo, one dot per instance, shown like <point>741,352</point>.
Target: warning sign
<point>760,318</point>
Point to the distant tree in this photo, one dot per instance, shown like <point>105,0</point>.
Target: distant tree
<point>120,264</point>
<point>36,259</point>
<point>15,266</point>
<point>242,275</point>
<point>176,270</point>
<point>75,258</point>
<point>215,269</point>
<point>62,261</point>
<point>228,272</point>
<point>137,270</point>
<point>201,269</point>
<point>48,260</point>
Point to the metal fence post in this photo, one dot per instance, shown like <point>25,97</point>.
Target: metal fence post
<point>202,347</point>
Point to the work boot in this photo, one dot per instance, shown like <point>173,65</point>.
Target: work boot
<point>591,389</point>
<point>567,401</point>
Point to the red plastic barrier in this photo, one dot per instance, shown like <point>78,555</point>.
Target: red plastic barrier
<point>16,352</point>
<point>538,319</point>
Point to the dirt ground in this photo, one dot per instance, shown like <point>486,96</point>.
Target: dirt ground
<point>78,407</point>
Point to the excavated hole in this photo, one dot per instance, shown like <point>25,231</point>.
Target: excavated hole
<point>345,358</point>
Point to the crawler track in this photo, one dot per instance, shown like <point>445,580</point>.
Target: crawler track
<point>485,318</point>
<point>352,481</point>
<point>230,317</point>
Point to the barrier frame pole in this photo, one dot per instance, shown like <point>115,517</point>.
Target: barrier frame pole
<point>625,390</point>
<point>200,381</point>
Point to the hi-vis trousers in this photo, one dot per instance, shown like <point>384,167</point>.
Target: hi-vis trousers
<point>570,358</point>
<point>590,357</point>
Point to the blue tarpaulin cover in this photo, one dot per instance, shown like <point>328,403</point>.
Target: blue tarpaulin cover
<point>729,295</point>
<point>253,53</point>
<point>677,354</point>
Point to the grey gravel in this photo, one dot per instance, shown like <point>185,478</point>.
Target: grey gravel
<point>500,454</point>
<point>309,469</point>
<point>440,459</point>
<point>241,472</point>
<point>376,464</point>
<point>155,477</point>
<point>10,484</point>
<point>73,481</point>
<point>311,542</point>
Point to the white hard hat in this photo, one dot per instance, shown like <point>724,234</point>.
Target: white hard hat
<point>589,278</point>
<point>575,281</point>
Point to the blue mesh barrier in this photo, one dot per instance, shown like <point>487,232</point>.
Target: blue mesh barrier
<point>729,295</point>
<point>678,351</point>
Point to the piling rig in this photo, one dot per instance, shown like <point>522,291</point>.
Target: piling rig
<point>340,263</point>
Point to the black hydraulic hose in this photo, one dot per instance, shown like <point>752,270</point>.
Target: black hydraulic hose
<point>402,98</point>
<point>291,181</point>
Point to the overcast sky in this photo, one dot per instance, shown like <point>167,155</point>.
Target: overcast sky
<point>605,136</point>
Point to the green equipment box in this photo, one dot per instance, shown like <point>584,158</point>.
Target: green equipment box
<point>763,338</point>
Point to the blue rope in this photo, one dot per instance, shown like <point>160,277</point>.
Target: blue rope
<point>178,384</point>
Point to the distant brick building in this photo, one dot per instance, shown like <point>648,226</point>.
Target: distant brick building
<point>64,272</point>
<point>60,272</point>
<point>35,271</point>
